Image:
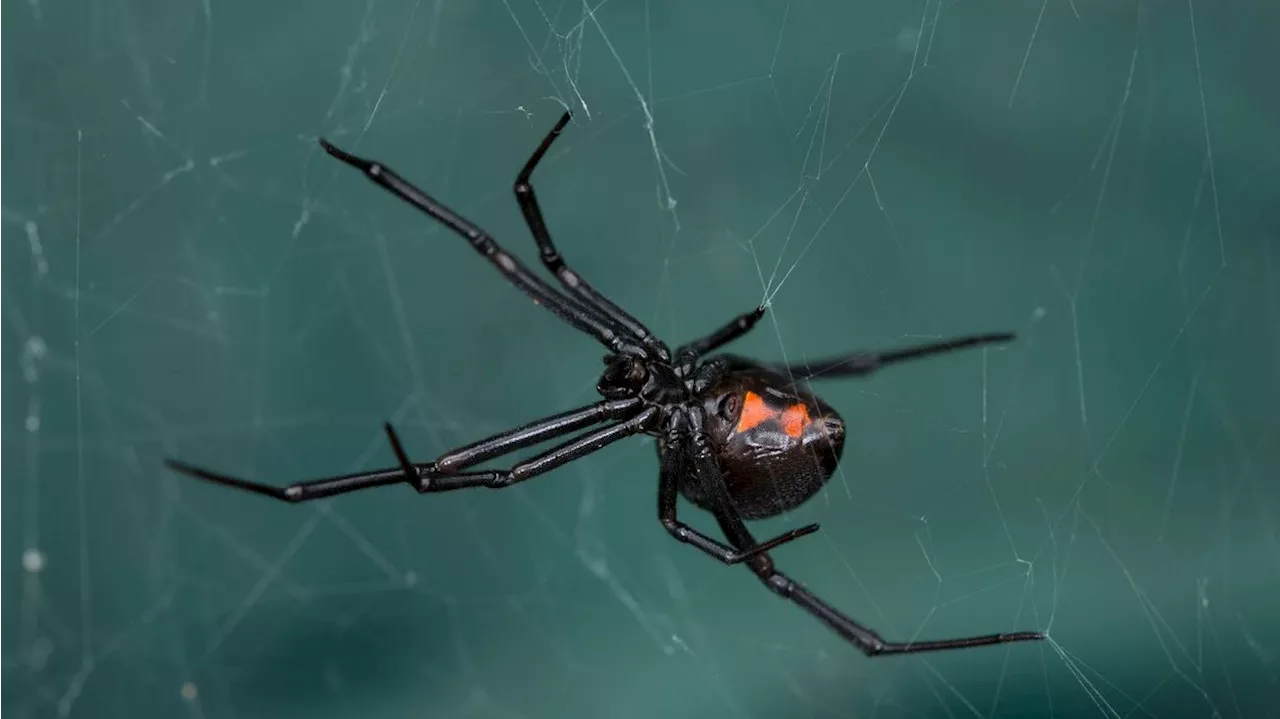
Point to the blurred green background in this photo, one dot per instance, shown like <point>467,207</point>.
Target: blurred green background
<point>185,273</point>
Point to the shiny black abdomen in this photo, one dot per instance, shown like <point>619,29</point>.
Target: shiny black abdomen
<point>775,447</point>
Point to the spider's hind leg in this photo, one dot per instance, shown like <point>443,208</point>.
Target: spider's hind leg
<point>864,638</point>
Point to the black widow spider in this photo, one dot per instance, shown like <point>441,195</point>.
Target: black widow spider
<point>738,438</point>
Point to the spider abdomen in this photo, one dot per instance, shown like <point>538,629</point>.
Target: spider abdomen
<point>776,445</point>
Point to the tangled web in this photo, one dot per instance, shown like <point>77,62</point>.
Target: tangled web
<point>187,274</point>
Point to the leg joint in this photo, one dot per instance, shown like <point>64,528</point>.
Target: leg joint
<point>779,584</point>
<point>676,529</point>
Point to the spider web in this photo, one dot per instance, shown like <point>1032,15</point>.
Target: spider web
<point>187,274</point>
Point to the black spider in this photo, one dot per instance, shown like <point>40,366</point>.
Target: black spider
<point>740,439</point>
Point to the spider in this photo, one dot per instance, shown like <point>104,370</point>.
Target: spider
<point>740,439</point>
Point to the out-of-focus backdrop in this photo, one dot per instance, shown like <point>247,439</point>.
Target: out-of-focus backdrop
<point>187,274</point>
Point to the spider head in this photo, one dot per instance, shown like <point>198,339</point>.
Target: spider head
<point>775,443</point>
<point>623,376</point>
<point>656,382</point>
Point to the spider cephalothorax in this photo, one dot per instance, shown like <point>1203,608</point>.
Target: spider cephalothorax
<point>738,438</point>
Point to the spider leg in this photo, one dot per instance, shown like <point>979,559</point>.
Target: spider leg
<point>555,263</point>
<point>558,456</point>
<point>688,354</point>
<point>299,491</point>
<point>565,307</point>
<point>672,466</point>
<point>761,564</point>
<point>447,464</point>
<point>860,364</point>
<point>865,639</point>
<point>535,433</point>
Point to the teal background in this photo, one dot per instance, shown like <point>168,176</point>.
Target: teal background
<point>185,273</point>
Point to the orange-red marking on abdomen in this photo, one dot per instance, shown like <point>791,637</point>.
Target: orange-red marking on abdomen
<point>794,419</point>
<point>756,411</point>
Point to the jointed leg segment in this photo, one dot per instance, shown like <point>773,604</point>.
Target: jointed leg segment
<point>866,640</point>
<point>444,474</point>
<point>687,355</point>
<point>572,282</point>
<point>567,308</point>
<point>859,364</point>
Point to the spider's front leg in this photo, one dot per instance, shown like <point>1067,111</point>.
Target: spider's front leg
<point>432,480</point>
<point>573,283</point>
<point>445,473</point>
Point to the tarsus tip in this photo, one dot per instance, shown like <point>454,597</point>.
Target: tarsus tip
<point>340,153</point>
